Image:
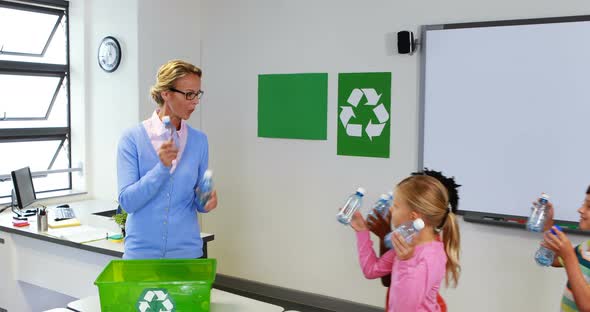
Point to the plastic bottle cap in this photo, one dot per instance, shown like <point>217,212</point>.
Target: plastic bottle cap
<point>384,196</point>
<point>558,227</point>
<point>361,191</point>
<point>418,224</point>
<point>166,120</point>
<point>544,196</point>
<point>208,173</point>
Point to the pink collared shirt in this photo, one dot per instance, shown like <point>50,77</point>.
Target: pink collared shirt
<point>158,134</point>
<point>414,282</point>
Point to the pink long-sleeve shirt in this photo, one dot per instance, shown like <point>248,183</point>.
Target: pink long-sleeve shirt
<point>414,282</point>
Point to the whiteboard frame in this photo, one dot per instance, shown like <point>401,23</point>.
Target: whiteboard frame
<point>473,215</point>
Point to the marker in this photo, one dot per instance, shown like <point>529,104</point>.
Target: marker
<point>519,221</point>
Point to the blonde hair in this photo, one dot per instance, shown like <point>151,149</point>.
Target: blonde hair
<point>429,197</point>
<point>167,76</point>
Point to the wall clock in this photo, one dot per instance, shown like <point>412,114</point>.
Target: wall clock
<point>109,54</point>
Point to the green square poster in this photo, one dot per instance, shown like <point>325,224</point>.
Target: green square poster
<point>364,107</point>
<point>293,106</point>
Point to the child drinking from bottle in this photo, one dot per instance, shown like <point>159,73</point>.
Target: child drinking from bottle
<point>575,260</point>
<point>416,268</point>
<point>381,225</point>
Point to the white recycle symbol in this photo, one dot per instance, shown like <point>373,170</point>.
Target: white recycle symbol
<point>152,296</point>
<point>372,129</point>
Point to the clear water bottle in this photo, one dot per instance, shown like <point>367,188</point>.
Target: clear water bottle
<point>382,205</point>
<point>545,256</point>
<point>205,188</point>
<point>353,203</point>
<point>168,124</point>
<point>538,216</point>
<point>408,230</point>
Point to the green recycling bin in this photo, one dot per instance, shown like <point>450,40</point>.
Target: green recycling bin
<point>156,285</point>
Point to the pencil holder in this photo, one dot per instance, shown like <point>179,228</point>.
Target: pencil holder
<point>41,221</point>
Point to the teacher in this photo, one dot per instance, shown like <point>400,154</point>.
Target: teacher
<point>159,168</point>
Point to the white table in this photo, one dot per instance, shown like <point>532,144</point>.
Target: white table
<point>221,301</point>
<point>88,304</point>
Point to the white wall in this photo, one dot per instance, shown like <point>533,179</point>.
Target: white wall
<point>278,198</point>
<point>111,99</point>
<point>167,30</point>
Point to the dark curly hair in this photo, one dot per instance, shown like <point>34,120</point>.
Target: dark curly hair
<point>450,185</point>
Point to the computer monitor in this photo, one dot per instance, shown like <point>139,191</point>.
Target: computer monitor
<point>24,189</point>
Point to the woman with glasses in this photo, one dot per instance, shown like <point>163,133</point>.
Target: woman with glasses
<point>159,164</point>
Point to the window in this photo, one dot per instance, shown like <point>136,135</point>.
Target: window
<point>34,93</point>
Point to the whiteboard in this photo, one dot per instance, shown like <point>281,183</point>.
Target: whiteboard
<point>505,108</point>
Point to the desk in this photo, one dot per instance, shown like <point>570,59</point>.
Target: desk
<point>88,304</point>
<point>42,260</point>
<point>85,213</point>
<point>221,301</point>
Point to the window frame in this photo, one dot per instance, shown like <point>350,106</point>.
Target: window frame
<point>54,7</point>
<point>36,9</point>
<point>36,70</point>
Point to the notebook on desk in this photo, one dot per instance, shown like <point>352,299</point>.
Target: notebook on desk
<point>62,223</point>
<point>81,234</point>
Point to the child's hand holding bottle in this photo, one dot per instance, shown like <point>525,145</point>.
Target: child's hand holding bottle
<point>403,250</point>
<point>358,223</point>
<point>557,241</point>
<point>379,225</point>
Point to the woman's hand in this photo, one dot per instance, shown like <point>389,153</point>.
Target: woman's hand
<point>167,153</point>
<point>358,223</point>
<point>379,225</point>
<point>212,202</point>
<point>559,243</point>
<point>403,250</point>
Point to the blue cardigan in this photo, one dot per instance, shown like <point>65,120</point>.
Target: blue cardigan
<point>162,220</point>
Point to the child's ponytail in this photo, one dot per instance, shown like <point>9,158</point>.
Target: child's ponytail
<point>452,240</point>
<point>436,197</point>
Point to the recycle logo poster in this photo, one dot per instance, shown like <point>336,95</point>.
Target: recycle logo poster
<point>364,114</point>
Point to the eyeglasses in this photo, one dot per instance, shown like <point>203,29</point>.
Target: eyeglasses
<point>189,95</point>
